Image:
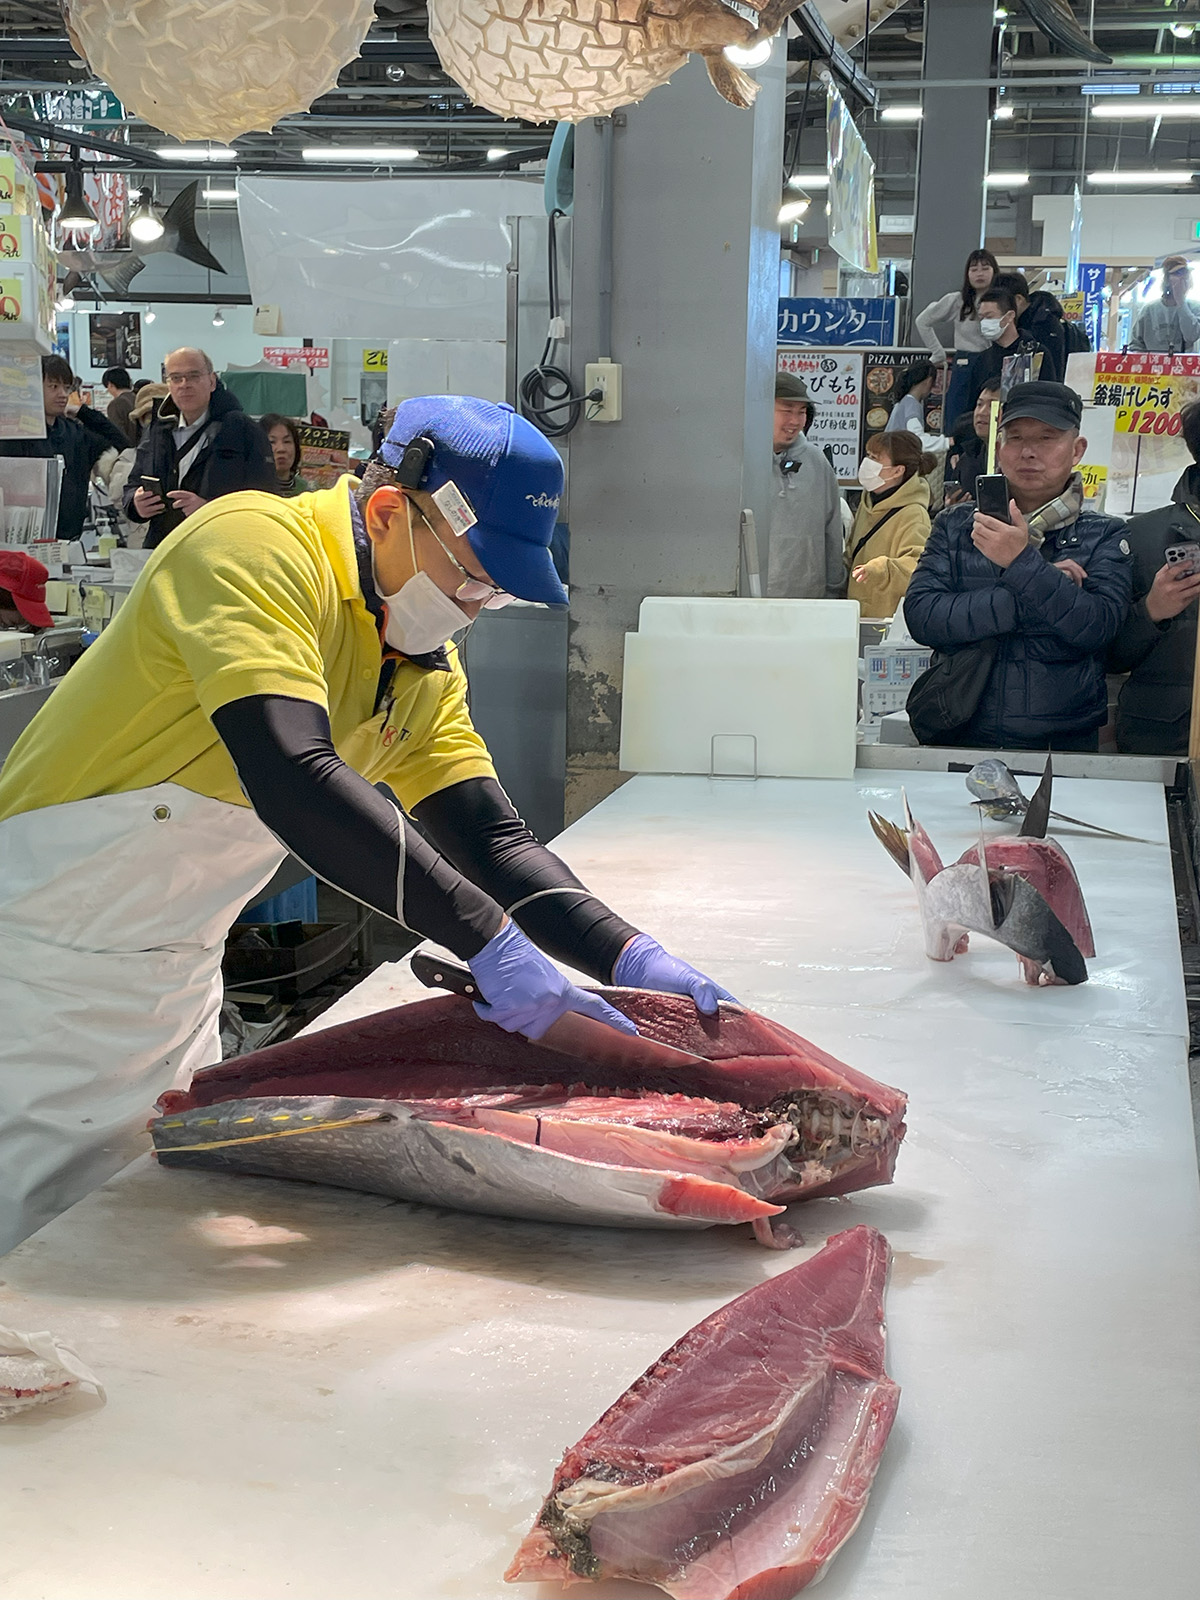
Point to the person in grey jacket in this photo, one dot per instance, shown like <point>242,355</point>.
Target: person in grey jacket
<point>807,533</point>
<point>1168,324</point>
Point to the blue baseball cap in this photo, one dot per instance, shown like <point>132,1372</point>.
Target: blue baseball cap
<point>510,475</point>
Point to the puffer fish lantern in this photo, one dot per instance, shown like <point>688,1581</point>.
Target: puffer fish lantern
<point>199,70</point>
<point>563,60</point>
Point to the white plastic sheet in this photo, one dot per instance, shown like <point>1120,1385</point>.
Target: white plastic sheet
<point>36,1368</point>
<point>384,259</point>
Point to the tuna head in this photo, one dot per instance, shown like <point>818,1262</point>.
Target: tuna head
<point>565,60</point>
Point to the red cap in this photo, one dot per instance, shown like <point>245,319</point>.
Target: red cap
<point>25,580</point>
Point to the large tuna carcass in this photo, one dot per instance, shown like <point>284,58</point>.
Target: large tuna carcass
<point>427,1102</point>
<point>204,71</point>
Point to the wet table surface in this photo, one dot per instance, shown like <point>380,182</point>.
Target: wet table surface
<point>314,1394</point>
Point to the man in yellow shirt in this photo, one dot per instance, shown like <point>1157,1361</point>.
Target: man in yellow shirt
<point>276,661</point>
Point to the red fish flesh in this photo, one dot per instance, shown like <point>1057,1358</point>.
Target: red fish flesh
<point>427,1102</point>
<point>740,1463</point>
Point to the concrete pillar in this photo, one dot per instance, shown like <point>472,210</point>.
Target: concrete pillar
<point>655,498</point>
<point>951,197</point>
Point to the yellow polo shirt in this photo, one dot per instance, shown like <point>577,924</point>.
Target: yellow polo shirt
<point>253,595</point>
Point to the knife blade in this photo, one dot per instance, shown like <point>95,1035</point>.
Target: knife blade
<point>573,1034</point>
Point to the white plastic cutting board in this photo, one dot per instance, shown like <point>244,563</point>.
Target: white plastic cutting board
<point>741,688</point>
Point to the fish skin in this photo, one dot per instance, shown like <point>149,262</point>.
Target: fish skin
<point>407,1157</point>
<point>848,1128</point>
<point>738,1465</point>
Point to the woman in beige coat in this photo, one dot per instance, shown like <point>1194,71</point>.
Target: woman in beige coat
<point>891,524</point>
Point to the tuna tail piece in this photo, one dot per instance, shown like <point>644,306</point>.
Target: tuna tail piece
<point>118,268</point>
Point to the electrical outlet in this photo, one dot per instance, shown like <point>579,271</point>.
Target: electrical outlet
<point>606,375</point>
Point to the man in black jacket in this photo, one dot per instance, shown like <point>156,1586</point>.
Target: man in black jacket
<point>1050,585</point>
<point>80,444</point>
<point>998,323</point>
<point>199,446</point>
<point>1157,644</point>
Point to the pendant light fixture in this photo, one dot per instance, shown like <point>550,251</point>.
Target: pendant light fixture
<point>145,224</point>
<point>219,318</point>
<point>76,214</point>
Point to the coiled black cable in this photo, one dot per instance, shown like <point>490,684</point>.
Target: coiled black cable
<point>546,390</point>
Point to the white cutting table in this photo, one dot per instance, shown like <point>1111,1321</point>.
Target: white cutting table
<point>316,1395</point>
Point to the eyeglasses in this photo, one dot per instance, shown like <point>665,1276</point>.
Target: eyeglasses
<point>472,588</point>
<point>185,377</point>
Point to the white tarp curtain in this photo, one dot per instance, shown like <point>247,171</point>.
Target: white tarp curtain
<point>383,259</point>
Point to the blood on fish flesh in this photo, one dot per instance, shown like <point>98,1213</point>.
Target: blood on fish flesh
<point>427,1102</point>
<point>740,1463</point>
<point>1047,866</point>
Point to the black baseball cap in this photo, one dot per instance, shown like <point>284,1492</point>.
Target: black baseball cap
<point>1051,403</point>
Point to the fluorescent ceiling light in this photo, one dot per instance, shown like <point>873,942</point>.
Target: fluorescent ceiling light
<point>750,55</point>
<point>808,180</point>
<point>219,194</point>
<point>1140,105</point>
<point>498,153</point>
<point>792,210</point>
<point>380,154</point>
<point>1103,87</point>
<point>1004,113</point>
<point>901,114</point>
<point>1006,180</point>
<point>1143,180</point>
<point>196,152</point>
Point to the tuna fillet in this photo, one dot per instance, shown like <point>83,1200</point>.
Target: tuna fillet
<point>740,1463</point>
<point>427,1102</point>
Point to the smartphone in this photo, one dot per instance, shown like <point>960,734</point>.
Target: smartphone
<point>152,486</point>
<point>992,495</point>
<point>1184,558</point>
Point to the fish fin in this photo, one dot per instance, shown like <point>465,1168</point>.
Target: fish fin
<point>730,82</point>
<point>1057,21</point>
<point>119,278</point>
<point>1032,931</point>
<point>988,896</point>
<point>893,839</point>
<point>181,219</point>
<point>1037,814</point>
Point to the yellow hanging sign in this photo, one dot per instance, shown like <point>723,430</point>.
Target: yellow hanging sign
<point>375,360</point>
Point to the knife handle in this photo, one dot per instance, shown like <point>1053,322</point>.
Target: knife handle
<point>435,974</point>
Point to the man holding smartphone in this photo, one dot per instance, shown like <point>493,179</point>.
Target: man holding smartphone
<point>1046,580</point>
<point>1157,644</point>
<point>200,445</point>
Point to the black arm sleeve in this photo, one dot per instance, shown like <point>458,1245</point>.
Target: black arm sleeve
<point>474,825</point>
<point>347,832</point>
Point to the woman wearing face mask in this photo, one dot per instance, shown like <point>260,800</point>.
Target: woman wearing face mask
<point>286,683</point>
<point>961,308</point>
<point>891,524</point>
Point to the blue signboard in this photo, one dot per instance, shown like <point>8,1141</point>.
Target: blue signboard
<point>835,322</point>
<point>1091,285</point>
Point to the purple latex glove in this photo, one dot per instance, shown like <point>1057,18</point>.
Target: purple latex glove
<point>526,993</point>
<point>644,964</point>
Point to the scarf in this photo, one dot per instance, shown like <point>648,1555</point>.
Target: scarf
<point>1057,513</point>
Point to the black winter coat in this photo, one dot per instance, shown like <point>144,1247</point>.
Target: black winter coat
<point>1048,674</point>
<point>234,456</point>
<point>1042,320</point>
<point>1155,704</point>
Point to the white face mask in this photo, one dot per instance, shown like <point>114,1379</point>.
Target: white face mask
<point>991,327</point>
<point>870,473</point>
<point>420,618</point>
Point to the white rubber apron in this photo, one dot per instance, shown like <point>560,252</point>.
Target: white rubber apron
<point>113,916</point>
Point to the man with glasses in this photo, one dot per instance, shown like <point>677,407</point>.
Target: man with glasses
<point>281,678</point>
<point>199,446</point>
<point>1169,324</point>
<point>79,444</point>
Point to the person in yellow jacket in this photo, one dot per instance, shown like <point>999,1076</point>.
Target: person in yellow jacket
<point>281,678</point>
<point>891,524</point>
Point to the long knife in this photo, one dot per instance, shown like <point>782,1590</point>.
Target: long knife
<point>573,1034</point>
